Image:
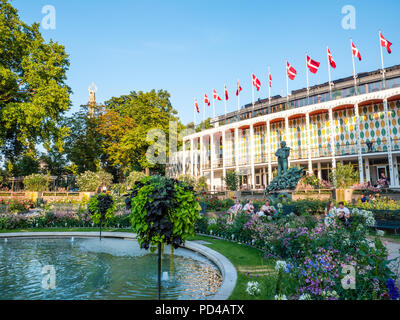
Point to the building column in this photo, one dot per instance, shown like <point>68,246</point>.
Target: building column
<point>269,152</point>
<point>288,140</point>
<point>184,157</point>
<point>252,152</point>
<point>201,155</point>
<point>237,153</point>
<point>310,170</point>
<point>223,158</point>
<point>319,171</point>
<point>389,143</point>
<point>359,150</point>
<point>333,142</point>
<point>191,157</point>
<point>212,160</point>
<point>396,172</point>
<point>367,170</point>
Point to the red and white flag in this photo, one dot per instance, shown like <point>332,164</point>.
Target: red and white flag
<point>312,65</point>
<point>291,72</point>
<point>238,89</point>
<point>216,96</point>
<point>256,82</point>
<point>385,43</point>
<point>196,105</point>
<point>355,51</point>
<point>331,61</point>
<point>226,94</point>
<point>206,100</point>
<point>269,79</point>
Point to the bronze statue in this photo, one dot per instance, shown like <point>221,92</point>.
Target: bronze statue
<point>287,179</point>
<point>282,154</point>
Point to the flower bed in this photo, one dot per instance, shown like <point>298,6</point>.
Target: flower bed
<point>317,257</point>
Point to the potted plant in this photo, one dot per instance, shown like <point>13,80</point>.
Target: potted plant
<point>101,208</point>
<point>163,211</point>
<point>345,176</point>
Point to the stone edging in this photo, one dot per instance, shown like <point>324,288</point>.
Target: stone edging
<point>228,271</point>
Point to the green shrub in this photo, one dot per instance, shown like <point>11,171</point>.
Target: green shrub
<point>133,177</point>
<point>37,182</point>
<point>90,181</point>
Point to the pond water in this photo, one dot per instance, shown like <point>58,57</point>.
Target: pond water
<point>109,269</point>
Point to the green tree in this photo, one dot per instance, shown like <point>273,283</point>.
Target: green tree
<point>25,166</point>
<point>125,123</point>
<point>83,145</point>
<point>344,175</point>
<point>33,93</point>
<point>232,180</point>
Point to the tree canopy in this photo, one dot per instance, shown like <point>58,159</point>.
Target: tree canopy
<point>125,123</point>
<point>33,92</point>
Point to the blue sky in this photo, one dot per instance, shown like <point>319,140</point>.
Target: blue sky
<point>190,47</point>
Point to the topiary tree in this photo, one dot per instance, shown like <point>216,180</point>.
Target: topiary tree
<point>101,208</point>
<point>232,180</point>
<point>164,211</point>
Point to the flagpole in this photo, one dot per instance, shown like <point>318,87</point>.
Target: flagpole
<point>204,113</point>
<point>194,115</point>
<point>213,105</point>
<point>238,99</point>
<point>329,72</point>
<point>383,66</point>
<point>225,102</point>
<point>287,86</point>
<point>354,68</point>
<point>252,89</point>
<point>308,86</point>
<point>269,90</point>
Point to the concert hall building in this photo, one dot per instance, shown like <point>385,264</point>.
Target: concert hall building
<point>322,127</point>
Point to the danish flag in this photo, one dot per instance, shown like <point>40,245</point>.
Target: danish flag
<point>355,51</point>
<point>291,72</point>
<point>216,96</point>
<point>206,100</point>
<point>226,94</point>
<point>331,61</point>
<point>256,82</point>
<point>385,43</point>
<point>239,88</point>
<point>269,79</point>
<point>312,65</point>
<point>196,105</point>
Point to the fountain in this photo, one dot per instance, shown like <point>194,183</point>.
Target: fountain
<point>165,276</point>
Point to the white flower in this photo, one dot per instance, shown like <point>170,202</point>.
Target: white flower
<point>380,233</point>
<point>253,288</point>
<point>280,265</point>
<point>305,296</point>
<point>280,297</point>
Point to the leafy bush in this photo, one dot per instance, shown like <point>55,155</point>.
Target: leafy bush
<point>36,182</point>
<point>17,205</point>
<point>345,175</point>
<point>89,181</point>
<point>133,177</point>
<point>163,211</point>
<point>101,207</point>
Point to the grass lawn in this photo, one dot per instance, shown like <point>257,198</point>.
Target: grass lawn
<point>250,266</point>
